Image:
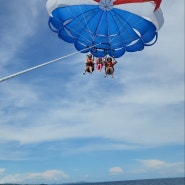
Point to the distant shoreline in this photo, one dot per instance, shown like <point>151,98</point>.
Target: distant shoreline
<point>180,180</point>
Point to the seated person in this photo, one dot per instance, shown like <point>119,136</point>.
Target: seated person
<point>109,67</point>
<point>99,64</point>
<point>89,64</point>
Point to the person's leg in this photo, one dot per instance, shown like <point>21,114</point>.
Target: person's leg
<point>86,69</point>
<point>105,72</point>
<point>97,67</point>
<point>90,69</point>
<point>101,67</point>
<point>112,72</point>
<point>109,71</point>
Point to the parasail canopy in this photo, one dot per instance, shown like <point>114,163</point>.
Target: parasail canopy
<point>104,27</point>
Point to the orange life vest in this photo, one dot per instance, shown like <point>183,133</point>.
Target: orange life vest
<point>109,64</point>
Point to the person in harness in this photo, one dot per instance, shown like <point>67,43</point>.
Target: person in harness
<point>99,64</point>
<point>109,67</point>
<point>89,64</point>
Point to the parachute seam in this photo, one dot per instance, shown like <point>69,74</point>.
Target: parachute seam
<point>84,26</point>
<point>123,27</point>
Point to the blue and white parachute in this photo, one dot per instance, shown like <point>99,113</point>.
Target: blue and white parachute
<point>104,27</point>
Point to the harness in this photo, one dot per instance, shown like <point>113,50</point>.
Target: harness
<point>89,62</point>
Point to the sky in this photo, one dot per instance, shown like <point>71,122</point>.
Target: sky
<point>58,125</point>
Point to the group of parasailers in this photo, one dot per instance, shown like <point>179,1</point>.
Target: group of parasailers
<point>107,62</point>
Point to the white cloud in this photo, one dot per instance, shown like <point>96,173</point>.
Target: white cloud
<point>57,123</point>
<point>162,167</point>
<point>153,163</point>
<point>37,119</point>
<point>19,96</point>
<point>116,170</point>
<point>51,176</point>
<point>2,170</point>
<point>18,24</point>
<point>150,168</point>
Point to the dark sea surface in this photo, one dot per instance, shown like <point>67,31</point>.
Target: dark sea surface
<point>166,181</point>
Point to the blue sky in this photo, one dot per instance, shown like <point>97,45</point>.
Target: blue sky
<point>57,125</point>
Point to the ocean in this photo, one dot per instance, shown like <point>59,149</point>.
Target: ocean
<point>166,181</point>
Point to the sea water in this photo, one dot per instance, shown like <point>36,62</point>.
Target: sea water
<point>166,181</point>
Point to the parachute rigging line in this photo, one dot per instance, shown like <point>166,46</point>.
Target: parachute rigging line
<point>39,66</point>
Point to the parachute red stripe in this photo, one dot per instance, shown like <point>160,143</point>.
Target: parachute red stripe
<point>157,2</point>
<point>116,2</point>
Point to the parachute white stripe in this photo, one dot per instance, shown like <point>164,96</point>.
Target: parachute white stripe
<point>145,9</point>
<point>53,4</point>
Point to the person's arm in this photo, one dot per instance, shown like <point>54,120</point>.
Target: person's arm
<point>114,63</point>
